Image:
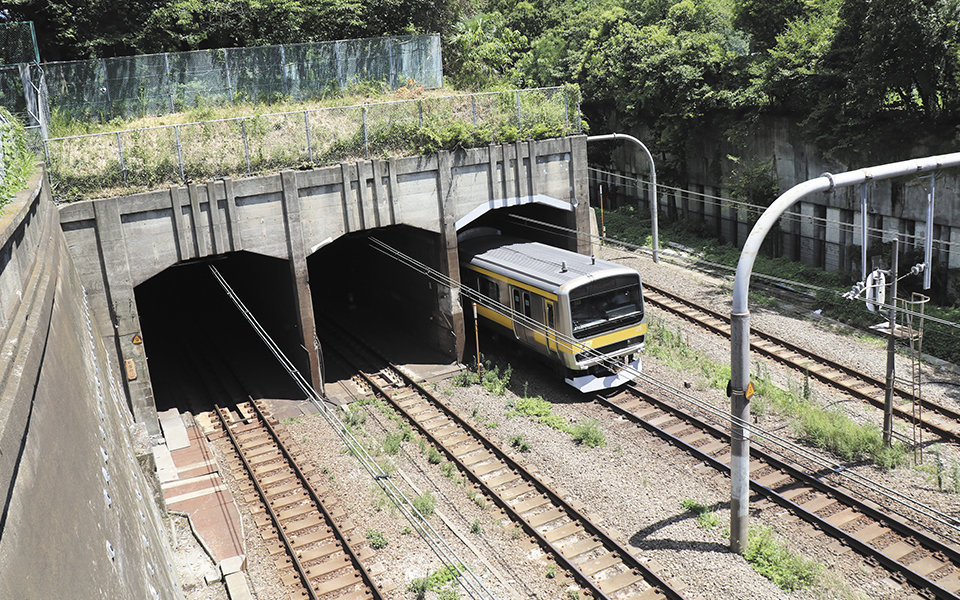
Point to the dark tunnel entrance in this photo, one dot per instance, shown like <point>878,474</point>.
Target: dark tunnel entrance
<point>199,347</point>
<point>521,222</point>
<point>363,290</point>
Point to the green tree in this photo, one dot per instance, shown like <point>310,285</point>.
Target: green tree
<point>764,20</point>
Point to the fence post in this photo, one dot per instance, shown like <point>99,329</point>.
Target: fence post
<point>393,72</point>
<point>176,135</point>
<point>473,103</point>
<point>420,112</point>
<point>519,115</point>
<point>123,165</point>
<point>283,69</point>
<point>306,126</point>
<point>106,86</point>
<point>566,110</point>
<point>246,148</point>
<point>366,141</point>
<point>339,57</point>
<point>226,67</point>
<point>166,77</point>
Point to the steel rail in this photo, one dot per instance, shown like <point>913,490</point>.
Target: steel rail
<point>949,434</point>
<point>889,563</point>
<point>315,498</point>
<point>274,518</point>
<point>625,555</point>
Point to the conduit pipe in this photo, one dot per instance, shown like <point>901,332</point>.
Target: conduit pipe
<point>740,319</point>
<point>653,183</point>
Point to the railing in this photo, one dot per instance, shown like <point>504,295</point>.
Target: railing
<point>121,162</point>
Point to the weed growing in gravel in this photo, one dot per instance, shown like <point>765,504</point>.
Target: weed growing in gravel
<point>475,526</point>
<point>434,456</point>
<point>354,417</point>
<point>516,533</point>
<point>425,504</point>
<point>380,499</point>
<point>391,443</point>
<point>406,530</point>
<point>822,428</point>
<point>551,571</point>
<point>519,443</point>
<point>419,588</point>
<point>770,557</point>
<point>376,539</point>
<point>290,420</point>
<point>478,499</point>
<point>706,518</point>
<point>947,480</point>
<point>573,594</point>
<point>448,470</point>
<point>588,433</point>
<point>538,409</point>
<point>494,378</point>
<point>493,424</point>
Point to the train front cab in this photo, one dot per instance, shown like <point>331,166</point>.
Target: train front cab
<point>607,317</point>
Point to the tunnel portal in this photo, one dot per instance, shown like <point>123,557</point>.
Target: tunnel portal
<point>199,347</point>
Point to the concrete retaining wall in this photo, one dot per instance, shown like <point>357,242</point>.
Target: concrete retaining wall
<point>824,229</point>
<point>78,516</point>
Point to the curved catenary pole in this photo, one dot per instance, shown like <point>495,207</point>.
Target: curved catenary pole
<point>653,182</point>
<point>740,319</point>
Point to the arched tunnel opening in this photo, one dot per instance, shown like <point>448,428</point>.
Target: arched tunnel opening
<point>534,222</point>
<point>370,293</point>
<point>201,350</point>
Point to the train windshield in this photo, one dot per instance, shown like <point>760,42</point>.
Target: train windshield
<point>605,305</point>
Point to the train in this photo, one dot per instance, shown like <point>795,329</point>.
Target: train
<point>583,315</point>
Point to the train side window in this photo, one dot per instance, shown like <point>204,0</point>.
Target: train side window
<point>550,315</point>
<point>517,304</point>
<point>489,288</point>
<point>526,304</point>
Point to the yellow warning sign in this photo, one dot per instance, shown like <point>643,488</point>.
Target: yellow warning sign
<point>749,393</point>
<point>137,339</point>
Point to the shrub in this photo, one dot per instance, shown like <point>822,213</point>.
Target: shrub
<point>376,539</point>
<point>475,526</point>
<point>391,443</point>
<point>588,433</point>
<point>770,557</point>
<point>16,158</point>
<point>706,519</point>
<point>425,504</point>
<point>519,443</point>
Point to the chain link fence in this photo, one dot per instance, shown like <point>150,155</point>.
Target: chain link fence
<point>155,84</point>
<point>106,164</point>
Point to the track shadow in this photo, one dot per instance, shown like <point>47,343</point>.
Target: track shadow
<point>644,540</point>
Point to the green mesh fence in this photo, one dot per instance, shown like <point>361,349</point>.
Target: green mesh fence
<point>116,163</point>
<point>154,84</point>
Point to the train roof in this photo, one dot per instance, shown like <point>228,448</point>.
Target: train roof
<point>545,267</point>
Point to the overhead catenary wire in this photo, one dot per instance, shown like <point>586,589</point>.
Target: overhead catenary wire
<point>789,217</point>
<point>681,260</point>
<point>467,578</point>
<point>775,443</point>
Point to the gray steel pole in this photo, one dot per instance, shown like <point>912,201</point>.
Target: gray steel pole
<point>653,183</point>
<point>863,232</point>
<point>740,314</point>
<point>928,241</point>
<point>891,347</point>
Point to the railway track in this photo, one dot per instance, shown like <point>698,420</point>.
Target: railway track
<point>915,559</point>
<point>942,421</point>
<point>597,562</point>
<point>311,536</point>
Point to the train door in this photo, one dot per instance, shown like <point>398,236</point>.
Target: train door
<point>550,308</point>
<point>530,306</point>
